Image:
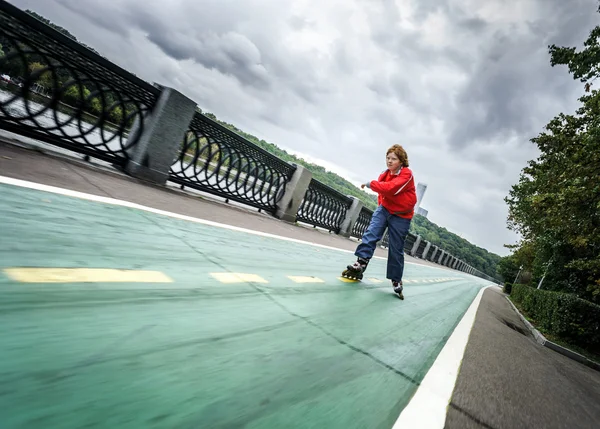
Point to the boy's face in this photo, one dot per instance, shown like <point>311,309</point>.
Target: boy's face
<point>392,161</point>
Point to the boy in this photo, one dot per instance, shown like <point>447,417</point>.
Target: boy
<point>396,201</point>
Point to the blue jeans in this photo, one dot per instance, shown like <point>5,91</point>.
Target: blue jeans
<point>397,230</point>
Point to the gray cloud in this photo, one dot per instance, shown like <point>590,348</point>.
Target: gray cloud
<point>511,86</point>
<point>463,84</point>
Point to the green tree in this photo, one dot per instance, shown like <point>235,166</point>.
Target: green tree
<point>41,74</point>
<point>556,204</point>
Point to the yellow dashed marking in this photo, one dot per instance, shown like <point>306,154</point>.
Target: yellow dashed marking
<point>85,275</point>
<point>303,279</point>
<point>238,278</point>
<point>344,279</point>
<point>375,280</point>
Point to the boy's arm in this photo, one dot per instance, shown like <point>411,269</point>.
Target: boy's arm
<point>394,186</point>
<point>368,184</point>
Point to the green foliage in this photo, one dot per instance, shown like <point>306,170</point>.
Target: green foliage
<point>556,204</point>
<point>40,74</point>
<point>564,315</point>
<point>508,268</point>
<point>473,255</point>
<point>507,289</point>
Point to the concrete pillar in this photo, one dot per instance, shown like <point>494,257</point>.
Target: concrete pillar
<point>441,257</point>
<point>161,137</point>
<point>434,253</point>
<point>426,250</point>
<point>413,250</point>
<point>295,190</point>
<point>351,217</point>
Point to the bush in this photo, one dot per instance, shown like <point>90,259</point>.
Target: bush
<point>507,288</point>
<point>569,318</point>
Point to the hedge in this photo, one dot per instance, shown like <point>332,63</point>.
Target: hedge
<point>564,315</point>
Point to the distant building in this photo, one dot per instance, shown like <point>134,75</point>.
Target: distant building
<point>421,188</point>
<point>421,211</point>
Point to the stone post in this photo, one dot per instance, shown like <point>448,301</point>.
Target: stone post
<point>295,190</point>
<point>442,254</point>
<point>413,250</point>
<point>351,217</point>
<point>161,137</point>
<point>426,250</point>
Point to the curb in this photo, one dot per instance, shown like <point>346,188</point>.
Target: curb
<point>553,346</point>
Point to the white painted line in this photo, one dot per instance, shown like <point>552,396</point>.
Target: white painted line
<point>238,278</point>
<point>429,405</point>
<point>305,279</point>
<point>122,203</point>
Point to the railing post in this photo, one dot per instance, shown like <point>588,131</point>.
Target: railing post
<point>153,154</point>
<point>442,254</point>
<point>413,250</point>
<point>426,251</point>
<point>351,217</point>
<point>295,190</point>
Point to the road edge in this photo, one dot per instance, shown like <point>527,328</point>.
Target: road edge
<point>428,407</point>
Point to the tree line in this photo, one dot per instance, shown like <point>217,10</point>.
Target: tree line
<point>555,206</point>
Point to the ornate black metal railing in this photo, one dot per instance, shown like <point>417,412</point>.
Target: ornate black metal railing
<point>362,223</point>
<point>60,92</point>
<point>323,206</point>
<point>218,161</point>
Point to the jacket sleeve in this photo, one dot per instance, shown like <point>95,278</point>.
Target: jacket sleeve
<point>394,186</point>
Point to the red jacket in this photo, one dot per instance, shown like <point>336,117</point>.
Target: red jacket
<point>396,192</point>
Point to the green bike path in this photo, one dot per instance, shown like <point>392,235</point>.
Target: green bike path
<point>209,327</point>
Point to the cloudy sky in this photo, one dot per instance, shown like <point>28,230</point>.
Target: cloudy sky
<point>462,84</point>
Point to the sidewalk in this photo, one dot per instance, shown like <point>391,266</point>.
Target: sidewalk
<point>507,380</point>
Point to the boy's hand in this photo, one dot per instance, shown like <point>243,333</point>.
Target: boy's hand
<point>368,185</point>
